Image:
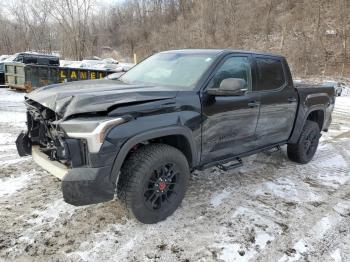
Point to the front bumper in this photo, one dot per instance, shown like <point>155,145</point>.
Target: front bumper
<point>80,186</point>
<point>54,167</point>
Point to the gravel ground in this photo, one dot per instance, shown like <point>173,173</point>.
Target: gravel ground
<point>269,210</point>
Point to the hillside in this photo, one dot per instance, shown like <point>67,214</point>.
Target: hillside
<point>314,35</point>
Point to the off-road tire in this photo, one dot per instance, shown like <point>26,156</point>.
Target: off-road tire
<point>143,166</point>
<point>303,151</point>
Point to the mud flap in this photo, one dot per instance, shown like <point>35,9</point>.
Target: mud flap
<point>23,144</point>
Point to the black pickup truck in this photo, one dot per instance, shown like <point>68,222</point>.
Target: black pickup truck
<point>141,135</point>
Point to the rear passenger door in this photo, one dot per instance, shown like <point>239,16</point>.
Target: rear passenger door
<point>278,101</point>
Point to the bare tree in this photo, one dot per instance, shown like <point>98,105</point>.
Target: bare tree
<point>78,28</point>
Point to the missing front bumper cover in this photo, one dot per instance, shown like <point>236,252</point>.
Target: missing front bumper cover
<point>80,186</point>
<point>53,167</point>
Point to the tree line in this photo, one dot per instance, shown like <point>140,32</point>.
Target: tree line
<point>313,34</point>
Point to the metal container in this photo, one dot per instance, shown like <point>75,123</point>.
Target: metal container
<point>29,76</point>
<point>40,75</point>
<point>14,75</point>
<point>67,74</point>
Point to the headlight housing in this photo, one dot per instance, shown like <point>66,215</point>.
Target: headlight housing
<point>93,130</point>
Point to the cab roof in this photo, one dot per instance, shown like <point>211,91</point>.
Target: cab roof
<point>219,51</point>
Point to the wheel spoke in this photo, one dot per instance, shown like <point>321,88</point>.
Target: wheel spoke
<point>161,185</point>
<point>164,170</point>
<point>167,198</point>
<point>157,173</point>
<point>172,175</point>
<point>151,196</point>
<point>153,202</point>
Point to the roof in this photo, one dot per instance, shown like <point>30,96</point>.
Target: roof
<point>36,54</point>
<point>219,51</point>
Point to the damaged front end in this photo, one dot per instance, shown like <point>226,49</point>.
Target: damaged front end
<point>66,155</point>
<point>44,132</point>
<point>67,129</point>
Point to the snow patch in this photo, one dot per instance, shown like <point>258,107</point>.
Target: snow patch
<point>52,212</point>
<point>316,233</point>
<point>13,161</point>
<point>332,179</point>
<point>7,138</point>
<point>333,161</point>
<point>287,189</point>
<point>9,186</point>
<point>48,216</point>
<point>324,225</point>
<point>336,255</point>
<point>342,208</point>
<point>5,147</point>
<point>236,252</point>
<point>300,248</point>
<point>14,118</point>
<point>218,198</point>
<point>241,211</point>
<point>104,242</point>
<point>8,95</point>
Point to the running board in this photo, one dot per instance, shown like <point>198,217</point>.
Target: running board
<point>273,150</point>
<point>224,167</point>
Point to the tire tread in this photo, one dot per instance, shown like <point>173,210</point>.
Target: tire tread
<point>133,169</point>
<point>295,151</point>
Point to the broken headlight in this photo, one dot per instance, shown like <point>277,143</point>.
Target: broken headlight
<point>93,130</point>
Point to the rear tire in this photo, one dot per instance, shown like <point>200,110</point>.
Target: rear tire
<point>153,182</point>
<point>303,151</point>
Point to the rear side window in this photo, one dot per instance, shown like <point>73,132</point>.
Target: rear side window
<point>30,60</point>
<point>270,74</point>
<point>43,61</point>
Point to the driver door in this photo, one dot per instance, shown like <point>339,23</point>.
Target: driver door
<point>229,122</point>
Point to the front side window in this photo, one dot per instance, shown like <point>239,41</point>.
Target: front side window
<point>173,70</point>
<point>270,74</point>
<point>233,67</point>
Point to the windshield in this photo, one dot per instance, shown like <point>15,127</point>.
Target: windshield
<point>10,58</point>
<point>175,70</point>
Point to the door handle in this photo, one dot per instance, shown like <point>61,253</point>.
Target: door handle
<point>292,99</point>
<point>253,104</point>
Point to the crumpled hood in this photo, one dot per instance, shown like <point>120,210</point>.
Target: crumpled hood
<point>95,96</point>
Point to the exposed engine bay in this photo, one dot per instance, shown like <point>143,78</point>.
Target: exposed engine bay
<point>43,131</point>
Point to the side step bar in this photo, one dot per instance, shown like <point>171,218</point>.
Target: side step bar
<point>273,150</point>
<point>228,167</point>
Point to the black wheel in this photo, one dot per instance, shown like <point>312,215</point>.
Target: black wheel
<point>153,182</point>
<point>303,151</point>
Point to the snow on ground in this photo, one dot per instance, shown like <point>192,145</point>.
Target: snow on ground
<point>336,256</point>
<point>271,209</point>
<point>9,186</point>
<point>325,80</point>
<point>219,198</point>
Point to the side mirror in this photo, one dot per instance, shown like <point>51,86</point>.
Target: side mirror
<point>229,87</point>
